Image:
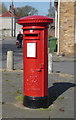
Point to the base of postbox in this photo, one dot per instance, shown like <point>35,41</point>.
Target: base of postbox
<point>35,102</point>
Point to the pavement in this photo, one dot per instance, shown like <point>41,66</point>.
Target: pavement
<point>62,64</point>
<point>61,87</point>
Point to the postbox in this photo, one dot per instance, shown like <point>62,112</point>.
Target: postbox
<point>35,60</point>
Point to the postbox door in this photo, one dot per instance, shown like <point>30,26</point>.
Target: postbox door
<point>35,66</point>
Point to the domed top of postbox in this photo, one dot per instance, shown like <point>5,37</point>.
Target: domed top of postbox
<point>35,19</point>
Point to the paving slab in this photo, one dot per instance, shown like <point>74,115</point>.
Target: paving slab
<point>60,86</point>
<point>61,97</point>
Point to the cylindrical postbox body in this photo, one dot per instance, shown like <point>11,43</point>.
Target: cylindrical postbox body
<point>35,60</point>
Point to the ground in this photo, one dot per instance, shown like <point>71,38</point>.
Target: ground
<point>61,85</point>
<point>61,94</point>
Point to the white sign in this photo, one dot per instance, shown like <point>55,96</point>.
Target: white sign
<point>31,49</point>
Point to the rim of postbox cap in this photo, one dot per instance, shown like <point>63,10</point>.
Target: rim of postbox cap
<point>35,19</point>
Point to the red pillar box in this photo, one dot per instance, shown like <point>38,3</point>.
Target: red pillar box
<point>35,60</point>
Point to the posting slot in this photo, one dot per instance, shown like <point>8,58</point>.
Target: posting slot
<point>32,36</point>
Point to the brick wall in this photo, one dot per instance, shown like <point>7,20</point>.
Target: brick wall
<point>75,27</point>
<point>67,30</point>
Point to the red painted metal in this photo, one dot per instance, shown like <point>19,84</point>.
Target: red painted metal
<point>35,19</point>
<point>35,32</point>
